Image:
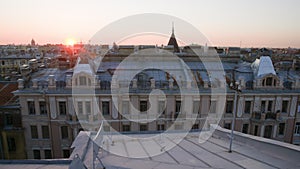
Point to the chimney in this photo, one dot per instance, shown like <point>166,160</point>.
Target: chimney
<point>34,83</point>
<point>171,81</point>
<point>152,81</point>
<point>51,82</point>
<point>69,81</point>
<point>20,83</point>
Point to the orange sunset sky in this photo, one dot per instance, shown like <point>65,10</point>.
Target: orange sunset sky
<point>256,23</point>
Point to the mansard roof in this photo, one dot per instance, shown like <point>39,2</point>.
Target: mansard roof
<point>263,66</point>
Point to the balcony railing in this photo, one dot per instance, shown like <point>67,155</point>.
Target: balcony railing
<point>270,116</point>
<point>256,115</point>
<point>265,116</point>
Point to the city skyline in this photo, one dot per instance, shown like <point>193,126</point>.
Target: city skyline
<point>231,23</point>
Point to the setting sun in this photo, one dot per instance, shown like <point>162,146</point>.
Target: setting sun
<point>70,42</point>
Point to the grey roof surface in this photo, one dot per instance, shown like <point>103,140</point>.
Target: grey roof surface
<point>190,154</point>
<point>35,164</point>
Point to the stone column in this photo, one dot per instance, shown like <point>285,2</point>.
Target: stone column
<point>262,130</point>
<point>275,131</point>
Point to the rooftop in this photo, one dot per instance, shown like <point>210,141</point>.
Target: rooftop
<point>248,152</point>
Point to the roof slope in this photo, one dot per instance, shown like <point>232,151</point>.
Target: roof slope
<point>263,66</point>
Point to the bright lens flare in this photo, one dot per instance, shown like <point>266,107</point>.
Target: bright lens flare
<point>70,42</point>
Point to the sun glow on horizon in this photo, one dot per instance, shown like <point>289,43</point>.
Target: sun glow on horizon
<point>70,42</point>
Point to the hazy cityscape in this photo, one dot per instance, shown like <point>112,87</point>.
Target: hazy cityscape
<point>127,96</point>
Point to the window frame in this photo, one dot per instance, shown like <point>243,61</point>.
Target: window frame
<point>31,107</point>
<point>62,110</point>
<point>33,130</point>
<point>64,132</point>
<point>47,134</point>
<point>43,108</point>
<point>106,105</point>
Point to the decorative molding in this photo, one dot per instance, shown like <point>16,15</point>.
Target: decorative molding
<point>293,106</point>
<point>52,102</point>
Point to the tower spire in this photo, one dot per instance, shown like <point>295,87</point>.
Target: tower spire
<point>172,27</point>
<point>173,41</point>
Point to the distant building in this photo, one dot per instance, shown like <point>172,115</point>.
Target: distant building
<point>32,42</point>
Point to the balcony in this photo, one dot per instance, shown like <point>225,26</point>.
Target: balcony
<point>256,115</point>
<point>270,115</point>
<point>265,116</point>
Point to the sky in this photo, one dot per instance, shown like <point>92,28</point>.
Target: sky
<point>245,23</point>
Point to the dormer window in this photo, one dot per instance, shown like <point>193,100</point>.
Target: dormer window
<point>82,80</point>
<point>269,81</point>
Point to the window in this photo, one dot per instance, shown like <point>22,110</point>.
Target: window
<point>34,132</point>
<point>105,108</point>
<point>161,107</point>
<point>45,132</point>
<point>227,126</point>
<point>82,81</point>
<point>31,107</point>
<point>8,120</point>
<point>143,127</point>
<point>48,154</point>
<point>62,107</point>
<point>213,105</point>
<point>126,127</point>
<point>143,106</point>
<point>79,108</point>
<point>178,106</point>
<point>66,153</point>
<point>245,128</point>
<point>256,130</point>
<point>88,108</point>
<point>11,143</point>
<point>36,154</point>
<point>270,106</point>
<point>160,127</point>
<point>229,106</point>
<point>125,107</point>
<point>196,105</point>
<point>297,129</point>
<point>269,81</point>
<point>247,107</point>
<point>281,128</point>
<point>43,109</point>
<point>263,106</point>
<point>64,132</point>
<point>285,104</point>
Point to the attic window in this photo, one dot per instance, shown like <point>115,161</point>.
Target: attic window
<point>82,81</point>
<point>269,81</point>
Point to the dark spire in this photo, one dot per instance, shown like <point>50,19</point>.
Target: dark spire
<point>173,41</point>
